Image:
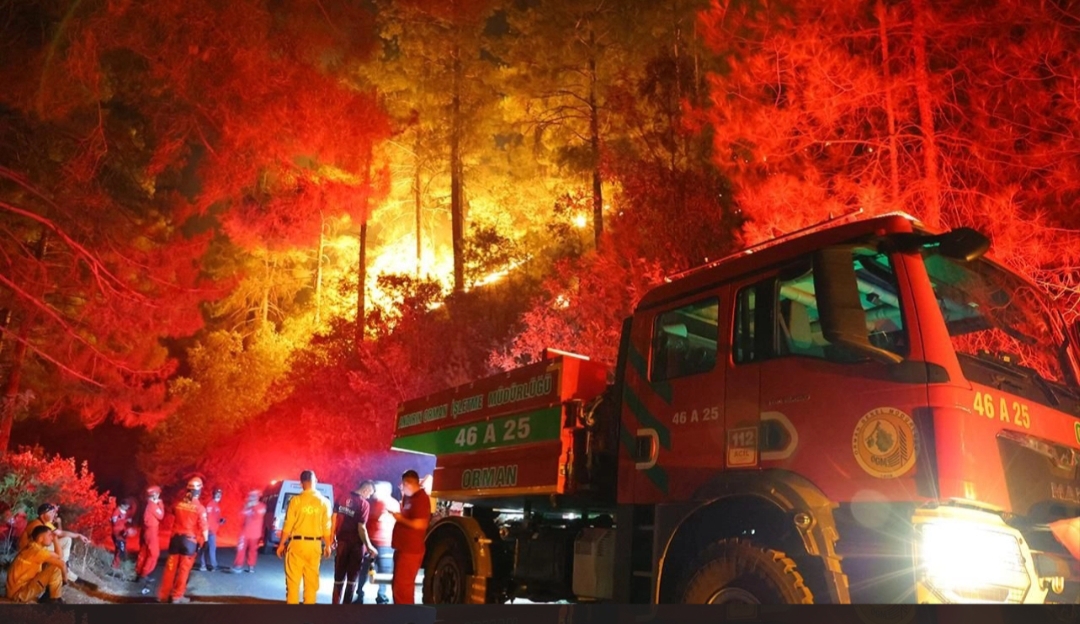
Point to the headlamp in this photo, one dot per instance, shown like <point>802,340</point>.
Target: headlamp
<point>971,557</point>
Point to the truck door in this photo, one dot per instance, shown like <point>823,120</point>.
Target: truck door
<point>674,399</point>
<point>741,413</point>
<point>842,420</point>
<point>846,422</point>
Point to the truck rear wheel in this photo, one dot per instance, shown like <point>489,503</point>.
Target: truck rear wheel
<point>446,575</point>
<point>735,570</point>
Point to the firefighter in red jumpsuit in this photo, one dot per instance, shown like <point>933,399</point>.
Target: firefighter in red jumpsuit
<point>251,528</point>
<point>149,544</point>
<point>189,533</point>
<point>207,555</point>
<point>121,521</point>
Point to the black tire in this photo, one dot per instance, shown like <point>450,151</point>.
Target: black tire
<point>736,570</point>
<point>446,574</point>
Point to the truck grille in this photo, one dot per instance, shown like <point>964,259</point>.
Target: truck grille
<point>1042,478</point>
<point>1043,482</point>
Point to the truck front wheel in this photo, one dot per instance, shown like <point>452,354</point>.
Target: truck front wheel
<point>447,573</point>
<point>735,570</point>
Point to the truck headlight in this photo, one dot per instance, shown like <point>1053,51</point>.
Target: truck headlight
<point>965,562</point>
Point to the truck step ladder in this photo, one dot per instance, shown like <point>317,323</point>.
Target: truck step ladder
<point>643,569</point>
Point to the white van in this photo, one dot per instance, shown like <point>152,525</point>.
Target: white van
<point>276,497</point>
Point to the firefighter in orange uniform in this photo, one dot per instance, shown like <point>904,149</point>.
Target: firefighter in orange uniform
<point>37,573</point>
<point>149,544</point>
<point>189,533</point>
<point>306,522</point>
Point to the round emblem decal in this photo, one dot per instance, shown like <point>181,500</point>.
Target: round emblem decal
<point>885,443</point>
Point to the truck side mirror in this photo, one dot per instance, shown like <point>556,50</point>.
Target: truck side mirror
<point>961,243</point>
<point>843,320</point>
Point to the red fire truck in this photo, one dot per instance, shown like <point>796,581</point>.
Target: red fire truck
<point>863,411</point>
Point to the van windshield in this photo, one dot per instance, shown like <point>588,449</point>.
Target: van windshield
<point>988,309</point>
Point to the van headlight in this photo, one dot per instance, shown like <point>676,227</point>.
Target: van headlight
<point>963,561</point>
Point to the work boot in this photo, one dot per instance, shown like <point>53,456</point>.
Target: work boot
<point>181,600</point>
<point>350,590</point>
<point>337,593</point>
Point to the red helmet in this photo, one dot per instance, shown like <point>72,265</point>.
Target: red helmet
<point>194,484</point>
<point>153,489</point>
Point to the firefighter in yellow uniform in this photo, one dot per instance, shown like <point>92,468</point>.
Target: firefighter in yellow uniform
<point>307,521</point>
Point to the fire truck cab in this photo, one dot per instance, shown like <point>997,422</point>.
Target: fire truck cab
<point>863,412</point>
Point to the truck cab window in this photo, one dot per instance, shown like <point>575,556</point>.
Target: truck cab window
<point>685,341</point>
<point>989,310</point>
<point>796,331</point>
<point>747,340</point>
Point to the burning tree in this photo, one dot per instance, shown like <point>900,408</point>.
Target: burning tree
<point>94,269</point>
<point>958,116</point>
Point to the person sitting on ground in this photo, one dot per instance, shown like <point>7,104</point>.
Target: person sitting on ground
<point>37,571</point>
<point>48,515</point>
<point>13,528</point>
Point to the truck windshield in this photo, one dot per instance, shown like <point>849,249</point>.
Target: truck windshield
<point>990,310</point>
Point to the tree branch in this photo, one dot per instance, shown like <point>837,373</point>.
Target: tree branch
<point>49,358</point>
<point>67,327</point>
<point>96,266</point>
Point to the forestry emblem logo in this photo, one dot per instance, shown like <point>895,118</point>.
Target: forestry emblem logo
<point>885,443</point>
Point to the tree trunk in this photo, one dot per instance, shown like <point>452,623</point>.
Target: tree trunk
<point>594,141</point>
<point>932,214</point>
<point>361,278</point>
<point>361,295</point>
<point>264,307</point>
<point>417,201</point>
<point>318,270</point>
<point>457,207</point>
<point>5,322</point>
<point>8,404</point>
<point>697,67</point>
<point>673,110</point>
<point>890,109</point>
<point>11,390</point>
